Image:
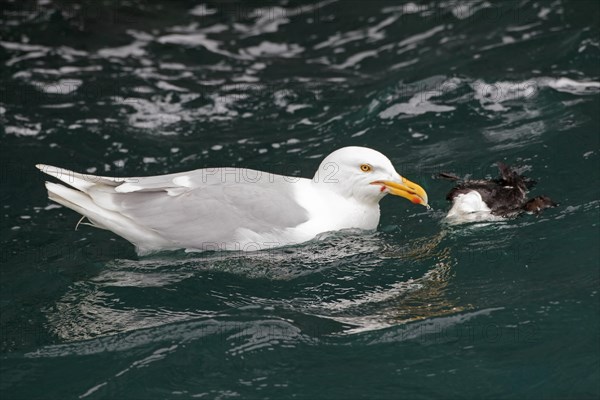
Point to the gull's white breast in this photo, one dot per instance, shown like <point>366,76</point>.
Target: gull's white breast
<point>329,211</point>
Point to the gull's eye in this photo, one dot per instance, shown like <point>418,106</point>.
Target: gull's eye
<point>366,168</point>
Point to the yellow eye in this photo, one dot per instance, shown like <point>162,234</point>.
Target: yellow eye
<point>366,168</point>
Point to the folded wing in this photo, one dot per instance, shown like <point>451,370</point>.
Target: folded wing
<point>196,209</point>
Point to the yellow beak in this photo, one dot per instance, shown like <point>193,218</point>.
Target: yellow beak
<point>404,188</point>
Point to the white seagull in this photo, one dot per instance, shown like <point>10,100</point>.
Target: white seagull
<point>236,208</point>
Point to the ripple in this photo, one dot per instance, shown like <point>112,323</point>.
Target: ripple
<point>436,86</point>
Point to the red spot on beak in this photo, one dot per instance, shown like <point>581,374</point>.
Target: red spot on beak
<point>416,200</point>
<point>382,189</point>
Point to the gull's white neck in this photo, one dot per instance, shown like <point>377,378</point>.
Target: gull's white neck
<point>329,210</point>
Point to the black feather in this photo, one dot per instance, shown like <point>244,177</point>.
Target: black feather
<point>539,203</point>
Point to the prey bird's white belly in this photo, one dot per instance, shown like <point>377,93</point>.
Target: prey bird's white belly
<point>470,207</point>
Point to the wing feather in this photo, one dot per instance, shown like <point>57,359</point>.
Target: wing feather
<point>200,206</point>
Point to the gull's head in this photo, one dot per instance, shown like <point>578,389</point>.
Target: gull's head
<point>367,175</point>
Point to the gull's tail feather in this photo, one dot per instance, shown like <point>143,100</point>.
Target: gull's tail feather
<point>79,181</point>
<point>80,202</point>
<point>87,201</point>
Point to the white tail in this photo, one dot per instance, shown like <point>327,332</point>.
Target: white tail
<point>91,201</point>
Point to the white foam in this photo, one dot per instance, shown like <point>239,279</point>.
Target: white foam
<point>492,95</point>
<point>270,49</point>
<point>418,104</point>
<point>29,130</point>
<point>201,11</point>
<point>63,86</point>
<point>135,49</point>
<point>570,86</point>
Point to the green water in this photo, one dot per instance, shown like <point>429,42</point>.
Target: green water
<point>416,310</point>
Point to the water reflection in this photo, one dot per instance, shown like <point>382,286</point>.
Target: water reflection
<point>333,281</point>
<point>403,301</point>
